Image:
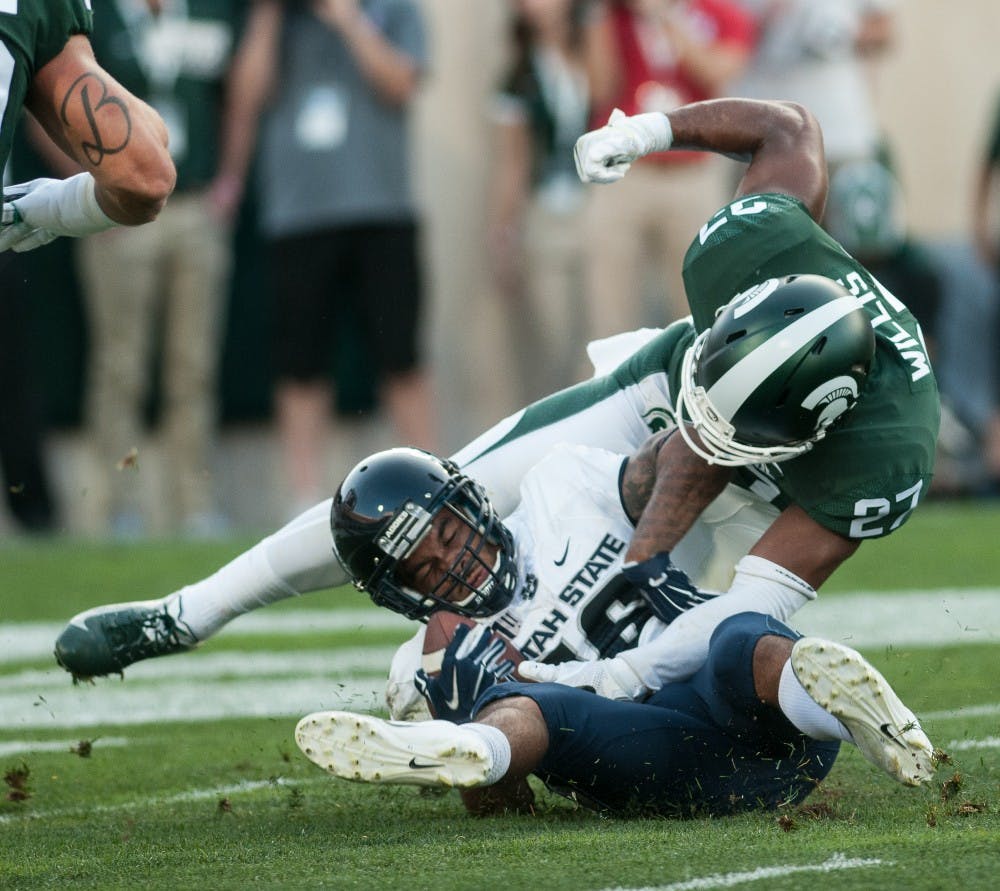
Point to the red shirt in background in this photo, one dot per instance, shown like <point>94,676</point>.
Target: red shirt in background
<point>653,79</point>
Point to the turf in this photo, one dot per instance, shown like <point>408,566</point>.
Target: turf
<point>230,803</point>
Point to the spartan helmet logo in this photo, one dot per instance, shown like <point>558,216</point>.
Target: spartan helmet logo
<point>831,399</point>
<point>658,418</point>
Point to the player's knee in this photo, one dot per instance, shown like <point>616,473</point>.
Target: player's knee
<point>730,652</point>
<point>520,719</point>
<point>734,629</point>
<point>510,711</point>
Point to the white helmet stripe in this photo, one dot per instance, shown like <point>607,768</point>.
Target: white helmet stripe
<point>731,390</point>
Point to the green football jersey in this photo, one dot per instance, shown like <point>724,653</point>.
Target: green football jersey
<point>862,480</point>
<point>32,33</point>
<point>866,476</point>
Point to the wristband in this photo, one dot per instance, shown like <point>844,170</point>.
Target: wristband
<point>64,206</point>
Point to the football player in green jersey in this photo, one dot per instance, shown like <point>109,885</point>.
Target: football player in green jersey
<point>47,67</point>
<point>812,382</point>
<point>800,386</point>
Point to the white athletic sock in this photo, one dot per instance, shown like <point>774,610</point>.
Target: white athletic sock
<point>296,559</point>
<point>808,716</point>
<point>499,750</point>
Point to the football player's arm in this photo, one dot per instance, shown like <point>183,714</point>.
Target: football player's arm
<point>778,577</point>
<point>802,546</point>
<point>665,487</point>
<point>681,647</point>
<point>115,137</point>
<point>781,142</point>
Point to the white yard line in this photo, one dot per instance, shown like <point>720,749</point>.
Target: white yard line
<point>866,619</point>
<point>335,664</point>
<point>120,704</point>
<point>29,641</point>
<point>961,745</point>
<point>22,746</point>
<point>904,618</point>
<point>965,711</point>
<point>835,863</point>
<point>211,685</point>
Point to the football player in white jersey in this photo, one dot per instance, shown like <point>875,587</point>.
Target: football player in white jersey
<point>745,713</point>
<point>567,597</point>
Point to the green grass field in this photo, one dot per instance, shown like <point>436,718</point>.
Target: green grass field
<point>186,775</point>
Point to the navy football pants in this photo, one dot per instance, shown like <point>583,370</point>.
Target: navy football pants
<point>706,745</point>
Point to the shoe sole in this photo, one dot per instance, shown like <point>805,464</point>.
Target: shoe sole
<point>849,688</point>
<point>371,750</point>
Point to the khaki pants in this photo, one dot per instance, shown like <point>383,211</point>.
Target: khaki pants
<point>167,281</point>
<point>654,212</point>
<point>549,329</point>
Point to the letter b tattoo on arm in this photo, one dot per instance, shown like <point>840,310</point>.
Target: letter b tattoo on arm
<point>100,122</point>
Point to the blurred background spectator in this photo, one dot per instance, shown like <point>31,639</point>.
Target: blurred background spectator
<point>160,290</point>
<point>986,237</point>
<point>27,489</point>
<point>329,84</point>
<point>541,108</point>
<point>935,156</point>
<point>866,213</point>
<point>653,55</point>
<point>820,53</point>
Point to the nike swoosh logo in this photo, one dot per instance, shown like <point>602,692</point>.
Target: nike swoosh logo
<point>562,559</point>
<point>887,730</point>
<point>415,765</point>
<point>452,703</point>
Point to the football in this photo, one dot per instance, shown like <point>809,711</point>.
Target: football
<point>440,630</point>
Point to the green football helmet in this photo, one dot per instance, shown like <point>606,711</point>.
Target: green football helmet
<point>781,363</point>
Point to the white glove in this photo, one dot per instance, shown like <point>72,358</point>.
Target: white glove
<point>19,236</point>
<point>610,678</point>
<point>605,155</point>
<point>36,212</point>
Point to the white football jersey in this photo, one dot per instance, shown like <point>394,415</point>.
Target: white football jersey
<point>572,533</point>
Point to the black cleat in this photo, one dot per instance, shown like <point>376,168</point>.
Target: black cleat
<point>107,639</point>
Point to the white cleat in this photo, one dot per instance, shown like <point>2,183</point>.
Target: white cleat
<point>843,682</point>
<point>372,750</point>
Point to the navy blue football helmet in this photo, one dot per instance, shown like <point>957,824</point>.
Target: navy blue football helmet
<point>382,511</point>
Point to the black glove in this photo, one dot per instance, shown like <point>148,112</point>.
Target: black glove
<point>666,588</point>
<point>473,662</point>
